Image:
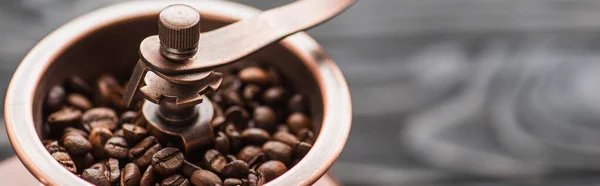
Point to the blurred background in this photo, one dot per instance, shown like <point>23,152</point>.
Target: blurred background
<point>445,92</point>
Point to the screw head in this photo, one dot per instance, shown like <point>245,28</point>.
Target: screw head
<point>179,32</point>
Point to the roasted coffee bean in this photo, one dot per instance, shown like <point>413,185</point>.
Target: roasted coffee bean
<point>255,178</point>
<point>272,169</point>
<point>298,121</point>
<point>119,133</point>
<point>141,154</point>
<point>113,172</point>
<point>257,160</point>
<point>55,98</point>
<point>277,151</point>
<point>285,137</point>
<point>233,182</point>
<point>273,76</point>
<point>222,143</point>
<point>235,138</point>
<point>306,135</point>
<point>301,149</point>
<point>236,169</point>
<point>83,161</point>
<point>65,160</point>
<point>248,153</point>
<point>188,168</point>
<point>251,92</point>
<point>79,101</point>
<point>100,166</point>
<point>231,98</point>
<point>128,117</point>
<point>237,115</point>
<point>78,85</point>
<point>134,133</point>
<point>96,177</point>
<point>255,136</point>
<point>205,178</point>
<point>283,128</point>
<point>297,104</point>
<point>109,92</point>
<point>54,146</point>
<point>75,131</point>
<point>231,83</point>
<point>117,147</point>
<point>98,138</point>
<point>230,157</point>
<point>175,180</point>
<point>65,117</point>
<point>149,177</point>
<point>76,144</point>
<point>130,175</point>
<point>167,161</point>
<point>218,123</point>
<point>264,117</point>
<point>100,117</point>
<point>274,96</point>
<point>254,75</point>
<point>214,161</point>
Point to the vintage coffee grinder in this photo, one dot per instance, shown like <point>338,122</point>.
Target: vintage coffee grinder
<point>176,67</point>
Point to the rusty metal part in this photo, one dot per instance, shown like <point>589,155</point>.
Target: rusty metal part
<point>195,134</point>
<point>298,56</point>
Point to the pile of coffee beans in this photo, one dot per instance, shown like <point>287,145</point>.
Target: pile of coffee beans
<point>261,128</point>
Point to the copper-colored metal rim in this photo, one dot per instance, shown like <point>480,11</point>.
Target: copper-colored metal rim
<point>19,99</point>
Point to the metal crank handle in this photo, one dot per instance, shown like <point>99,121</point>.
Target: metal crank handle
<point>237,40</point>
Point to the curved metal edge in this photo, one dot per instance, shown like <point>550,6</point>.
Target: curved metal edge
<point>21,90</point>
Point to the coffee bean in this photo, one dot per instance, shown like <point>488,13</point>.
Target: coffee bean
<point>83,161</point>
<point>149,177</point>
<point>79,101</point>
<point>134,133</point>
<point>65,117</point>
<point>254,75</point>
<point>231,83</point>
<point>100,166</point>
<point>76,144</point>
<point>273,76</point>
<point>255,178</point>
<point>188,168</point>
<point>274,96</point>
<point>75,131</point>
<point>259,159</point>
<point>285,137</point>
<point>301,149</point>
<point>175,180</point>
<point>167,161</point>
<point>141,154</point>
<point>128,117</point>
<point>297,121</point>
<point>234,182</point>
<point>214,161</point>
<point>297,104</point>
<point>98,138</point>
<point>230,157</point>
<point>109,92</point>
<point>255,136</point>
<point>231,97</point>
<point>113,172</point>
<point>119,133</point>
<point>205,178</point>
<point>277,151</point>
<point>130,175</point>
<point>283,128</point>
<point>117,147</point>
<point>237,115</point>
<point>248,153</point>
<point>100,117</point>
<point>251,92</point>
<point>65,160</point>
<point>264,117</point>
<point>55,98</point>
<point>218,123</point>
<point>235,138</point>
<point>96,177</point>
<point>222,143</point>
<point>272,169</point>
<point>306,135</point>
<point>54,146</point>
<point>78,85</point>
<point>236,169</point>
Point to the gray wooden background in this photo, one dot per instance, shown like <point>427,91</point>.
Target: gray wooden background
<point>445,92</point>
